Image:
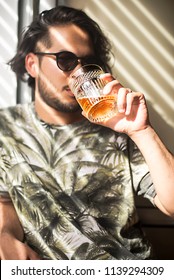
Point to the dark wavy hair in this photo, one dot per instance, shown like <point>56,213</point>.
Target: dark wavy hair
<point>38,31</point>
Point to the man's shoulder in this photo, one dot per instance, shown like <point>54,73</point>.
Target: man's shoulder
<point>14,111</point>
<point>12,116</point>
<point>13,108</point>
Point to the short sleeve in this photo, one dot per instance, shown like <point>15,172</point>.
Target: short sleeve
<point>141,178</point>
<point>3,187</point>
<point>3,163</point>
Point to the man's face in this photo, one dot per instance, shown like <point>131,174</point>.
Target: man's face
<point>52,82</point>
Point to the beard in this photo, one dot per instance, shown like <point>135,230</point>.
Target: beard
<point>54,102</point>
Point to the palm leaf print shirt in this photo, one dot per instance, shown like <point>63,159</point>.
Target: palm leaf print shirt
<point>73,187</point>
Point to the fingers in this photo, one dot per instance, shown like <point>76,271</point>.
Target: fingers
<point>128,101</point>
<point>124,100</point>
<point>112,83</point>
<point>125,96</point>
<point>107,77</point>
<point>32,255</point>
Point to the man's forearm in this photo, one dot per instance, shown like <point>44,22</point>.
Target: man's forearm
<point>9,222</point>
<point>161,166</point>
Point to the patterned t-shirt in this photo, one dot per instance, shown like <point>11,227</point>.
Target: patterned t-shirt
<point>73,187</point>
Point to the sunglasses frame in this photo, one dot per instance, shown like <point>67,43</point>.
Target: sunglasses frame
<point>76,59</point>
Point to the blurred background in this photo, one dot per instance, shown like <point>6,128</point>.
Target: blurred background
<point>142,36</point>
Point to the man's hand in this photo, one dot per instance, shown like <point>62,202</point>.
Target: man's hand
<point>12,234</point>
<point>13,249</point>
<point>132,110</point>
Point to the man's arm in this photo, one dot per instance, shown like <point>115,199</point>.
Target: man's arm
<point>161,165</point>
<point>133,119</point>
<point>12,235</point>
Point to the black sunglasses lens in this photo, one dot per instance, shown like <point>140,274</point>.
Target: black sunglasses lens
<point>67,61</point>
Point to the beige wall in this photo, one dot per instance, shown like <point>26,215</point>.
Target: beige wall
<point>142,32</point>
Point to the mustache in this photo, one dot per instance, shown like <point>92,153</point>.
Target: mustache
<point>66,87</point>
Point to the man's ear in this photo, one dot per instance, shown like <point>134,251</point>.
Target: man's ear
<point>31,64</point>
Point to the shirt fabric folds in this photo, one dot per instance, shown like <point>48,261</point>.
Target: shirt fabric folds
<point>73,187</point>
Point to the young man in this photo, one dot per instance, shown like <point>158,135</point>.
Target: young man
<point>67,185</point>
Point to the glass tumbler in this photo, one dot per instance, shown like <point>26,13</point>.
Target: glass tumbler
<point>87,86</point>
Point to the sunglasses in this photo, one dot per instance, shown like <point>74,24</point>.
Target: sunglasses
<point>67,61</point>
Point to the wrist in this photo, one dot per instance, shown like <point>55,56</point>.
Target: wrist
<point>142,135</point>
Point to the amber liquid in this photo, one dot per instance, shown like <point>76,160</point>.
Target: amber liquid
<point>99,108</point>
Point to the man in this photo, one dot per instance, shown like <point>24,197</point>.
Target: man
<point>72,183</point>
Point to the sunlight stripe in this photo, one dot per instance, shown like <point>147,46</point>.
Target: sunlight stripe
<point>154,21</point>
<point>155,64</point>
<point>8,9</point>
<point>168,100</point>
<point>6,46</point>
<point>145,32</point>
<point>8,29</point>
<point>135,85</point>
